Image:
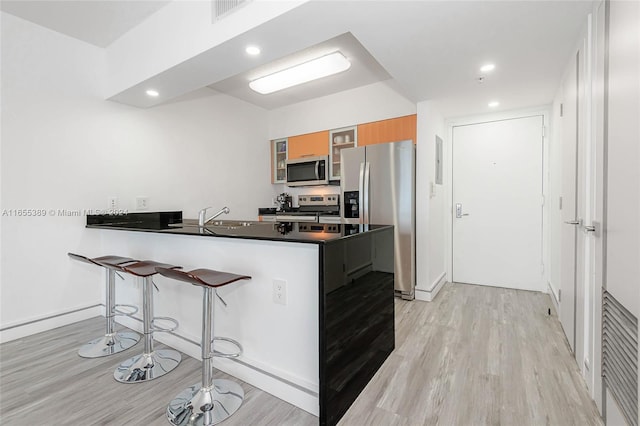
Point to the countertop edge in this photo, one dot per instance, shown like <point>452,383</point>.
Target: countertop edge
<point>176,231</point>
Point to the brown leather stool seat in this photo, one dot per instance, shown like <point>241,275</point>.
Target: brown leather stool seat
<point>112,342</point>
<point>151,363</point>
<point>211,401</point>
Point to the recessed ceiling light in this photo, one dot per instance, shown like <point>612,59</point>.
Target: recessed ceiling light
<point>152,93</point>
<point>493,104</point>
<point>314,69</point>
<point>487,68</point>
<point>252,50</point>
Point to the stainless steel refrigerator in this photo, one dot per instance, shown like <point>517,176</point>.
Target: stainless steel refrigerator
<point>378,188</point>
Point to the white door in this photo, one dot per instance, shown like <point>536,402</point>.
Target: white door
<point>569,204</point>
<point>583,201</point>
<point>497,203</point>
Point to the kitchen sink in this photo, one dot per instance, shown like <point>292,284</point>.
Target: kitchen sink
<point>230,224</point>
<point>219,224</point>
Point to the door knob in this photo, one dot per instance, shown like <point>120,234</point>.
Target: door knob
<point>459,213</point>
<point>594,227</point>
<point>574,222</point>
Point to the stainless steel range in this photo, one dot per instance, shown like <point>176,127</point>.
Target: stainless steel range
<point>314,208</point>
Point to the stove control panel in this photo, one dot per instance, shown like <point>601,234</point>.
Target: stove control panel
<point>319,200</point>
<point>319,227</point>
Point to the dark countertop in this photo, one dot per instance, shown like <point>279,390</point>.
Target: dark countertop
<point>271,231</point>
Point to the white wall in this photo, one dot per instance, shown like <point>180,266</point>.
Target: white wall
<point>622,182</point>
<point>430,205</point>
<point>64,147</point>
<point>378,101</point>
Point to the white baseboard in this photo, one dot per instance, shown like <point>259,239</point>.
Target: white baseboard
<point>554,295</point>
<point>292,390</point>
<point>49,322</point>
<point>429,294</point>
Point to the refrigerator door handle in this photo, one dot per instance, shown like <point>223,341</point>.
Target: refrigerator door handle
<point>361,194</point>
<point>366,192</point>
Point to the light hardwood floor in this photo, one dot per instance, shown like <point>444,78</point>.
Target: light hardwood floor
<point>475,356</point>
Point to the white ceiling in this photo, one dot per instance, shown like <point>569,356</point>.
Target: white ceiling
<point>364,70</point>
<point>99,22</point>
<point>431,49</point>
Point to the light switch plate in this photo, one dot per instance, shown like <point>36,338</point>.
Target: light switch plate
<point>280,292</point>
<point>112,203</point>
<point>142,203</point>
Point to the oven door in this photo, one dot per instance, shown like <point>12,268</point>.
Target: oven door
<point>307,171</point>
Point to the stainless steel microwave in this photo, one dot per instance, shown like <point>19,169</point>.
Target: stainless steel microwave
<point>308,171</point>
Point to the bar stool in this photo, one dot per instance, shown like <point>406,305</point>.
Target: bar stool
<point>112,342</point>
<point>151,363</point>
<point>212,401</point>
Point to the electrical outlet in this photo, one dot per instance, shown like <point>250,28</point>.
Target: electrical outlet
<point>280,292</point>
<point>112,203</point>
<point>142,203</point>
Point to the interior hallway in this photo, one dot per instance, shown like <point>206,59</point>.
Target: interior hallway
<point>474,356</point>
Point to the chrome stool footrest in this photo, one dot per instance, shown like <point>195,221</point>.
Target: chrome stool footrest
<point>158,329</point>
<point>224,354</point>
<point>119,312</point>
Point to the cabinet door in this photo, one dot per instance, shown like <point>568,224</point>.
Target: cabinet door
<point>279,160</point>
<point>392,130</point>
<point>340,139</point>
<point>309,145</point>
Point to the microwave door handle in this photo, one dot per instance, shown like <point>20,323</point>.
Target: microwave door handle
<point>318,170</point>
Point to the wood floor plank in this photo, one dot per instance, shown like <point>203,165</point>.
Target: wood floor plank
<point>475,356</point>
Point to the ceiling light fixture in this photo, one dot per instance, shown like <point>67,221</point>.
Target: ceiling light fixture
<point>493,104</point>
<point>252,50</point>
<point>314,69</point>
<point>153,93</point>
<point>487,68</point>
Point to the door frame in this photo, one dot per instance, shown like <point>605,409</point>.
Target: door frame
<point>544,111</point>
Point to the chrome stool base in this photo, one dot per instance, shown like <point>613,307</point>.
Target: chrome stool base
<point>109,344</point>
<point>198,406</point>
<point>145,367</point>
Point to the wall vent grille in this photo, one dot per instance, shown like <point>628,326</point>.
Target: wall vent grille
<point>223,7</point>
<point>620,356</point>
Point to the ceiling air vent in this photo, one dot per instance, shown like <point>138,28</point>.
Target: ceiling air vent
<point>224,7</point>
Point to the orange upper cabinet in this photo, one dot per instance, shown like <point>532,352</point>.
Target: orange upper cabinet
<point>309,145</point>
<point>392,130</point>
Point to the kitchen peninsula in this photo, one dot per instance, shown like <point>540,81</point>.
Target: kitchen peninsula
<point>316,320</point>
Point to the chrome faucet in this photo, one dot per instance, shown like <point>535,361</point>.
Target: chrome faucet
<point>203,212</point>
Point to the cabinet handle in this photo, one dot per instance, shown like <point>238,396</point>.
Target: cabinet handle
<point>308,155</point>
